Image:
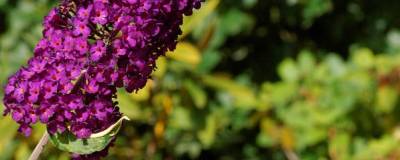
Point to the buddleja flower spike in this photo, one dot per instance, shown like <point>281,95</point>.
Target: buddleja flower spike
<point>88,50</point>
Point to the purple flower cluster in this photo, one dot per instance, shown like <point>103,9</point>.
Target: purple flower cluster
<point>88,50</point>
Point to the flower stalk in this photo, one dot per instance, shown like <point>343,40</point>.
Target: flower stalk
<point>39,147</point>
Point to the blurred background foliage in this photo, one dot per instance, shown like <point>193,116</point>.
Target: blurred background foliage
<point>251,79</point>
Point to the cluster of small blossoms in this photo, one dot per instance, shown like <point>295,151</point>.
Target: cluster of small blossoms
<point>88,50</point>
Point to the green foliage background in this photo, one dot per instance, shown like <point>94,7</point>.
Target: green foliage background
<point>251,79</point>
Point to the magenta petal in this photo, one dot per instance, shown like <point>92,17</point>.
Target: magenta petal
<point>25,129</point>
<point>18,115</point>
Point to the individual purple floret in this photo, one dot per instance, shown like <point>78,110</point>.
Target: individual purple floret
<point>88,50</point>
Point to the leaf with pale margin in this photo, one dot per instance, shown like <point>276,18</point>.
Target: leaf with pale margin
<point>96,142</point>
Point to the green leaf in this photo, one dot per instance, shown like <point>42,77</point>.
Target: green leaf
<point>339,145</point>
<point>314,9</point>
<point>386,99</point>
<point>243,95</point>
<point>191,22</point>
<point>197,93</point>
<point>363,58</point>
<point>3,2</point>
<point>187,53</point>
<point>181,119</point>
<point>288,71</point>
<point>249,3</point>
<point>230,19</point>
<point>97,142</point>
<point>6,138</point>
<point>208,134</point>
<point>23,151</point>
<point>129,107</point>
<point>210,59</point>
<point>306,62</point>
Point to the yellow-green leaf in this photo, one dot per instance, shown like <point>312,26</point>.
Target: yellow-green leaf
<point>187,53</point>
<point>191,22</point>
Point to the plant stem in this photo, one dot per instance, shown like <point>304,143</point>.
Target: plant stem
<point>40,146</point>
<point>290,155</point>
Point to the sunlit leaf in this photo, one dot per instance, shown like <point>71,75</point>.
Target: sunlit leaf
<point>208,134</point>
<point>8,125</point>
<point>191,22</point>
<point>386,99</point>
<point>339,146</point>
<point>181,118</point>
<point>288,71</point>
<point>162,67</point>
<point>144,93</point>
<point>129,107</point>
<point>243,95</point>
<point>187,53</point>
<point>363,58</point>
<point>23,151</point>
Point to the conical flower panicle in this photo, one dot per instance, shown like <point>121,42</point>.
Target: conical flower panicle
<point>88,50</point>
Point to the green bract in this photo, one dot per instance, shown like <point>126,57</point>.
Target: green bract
<point>97,142</point>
